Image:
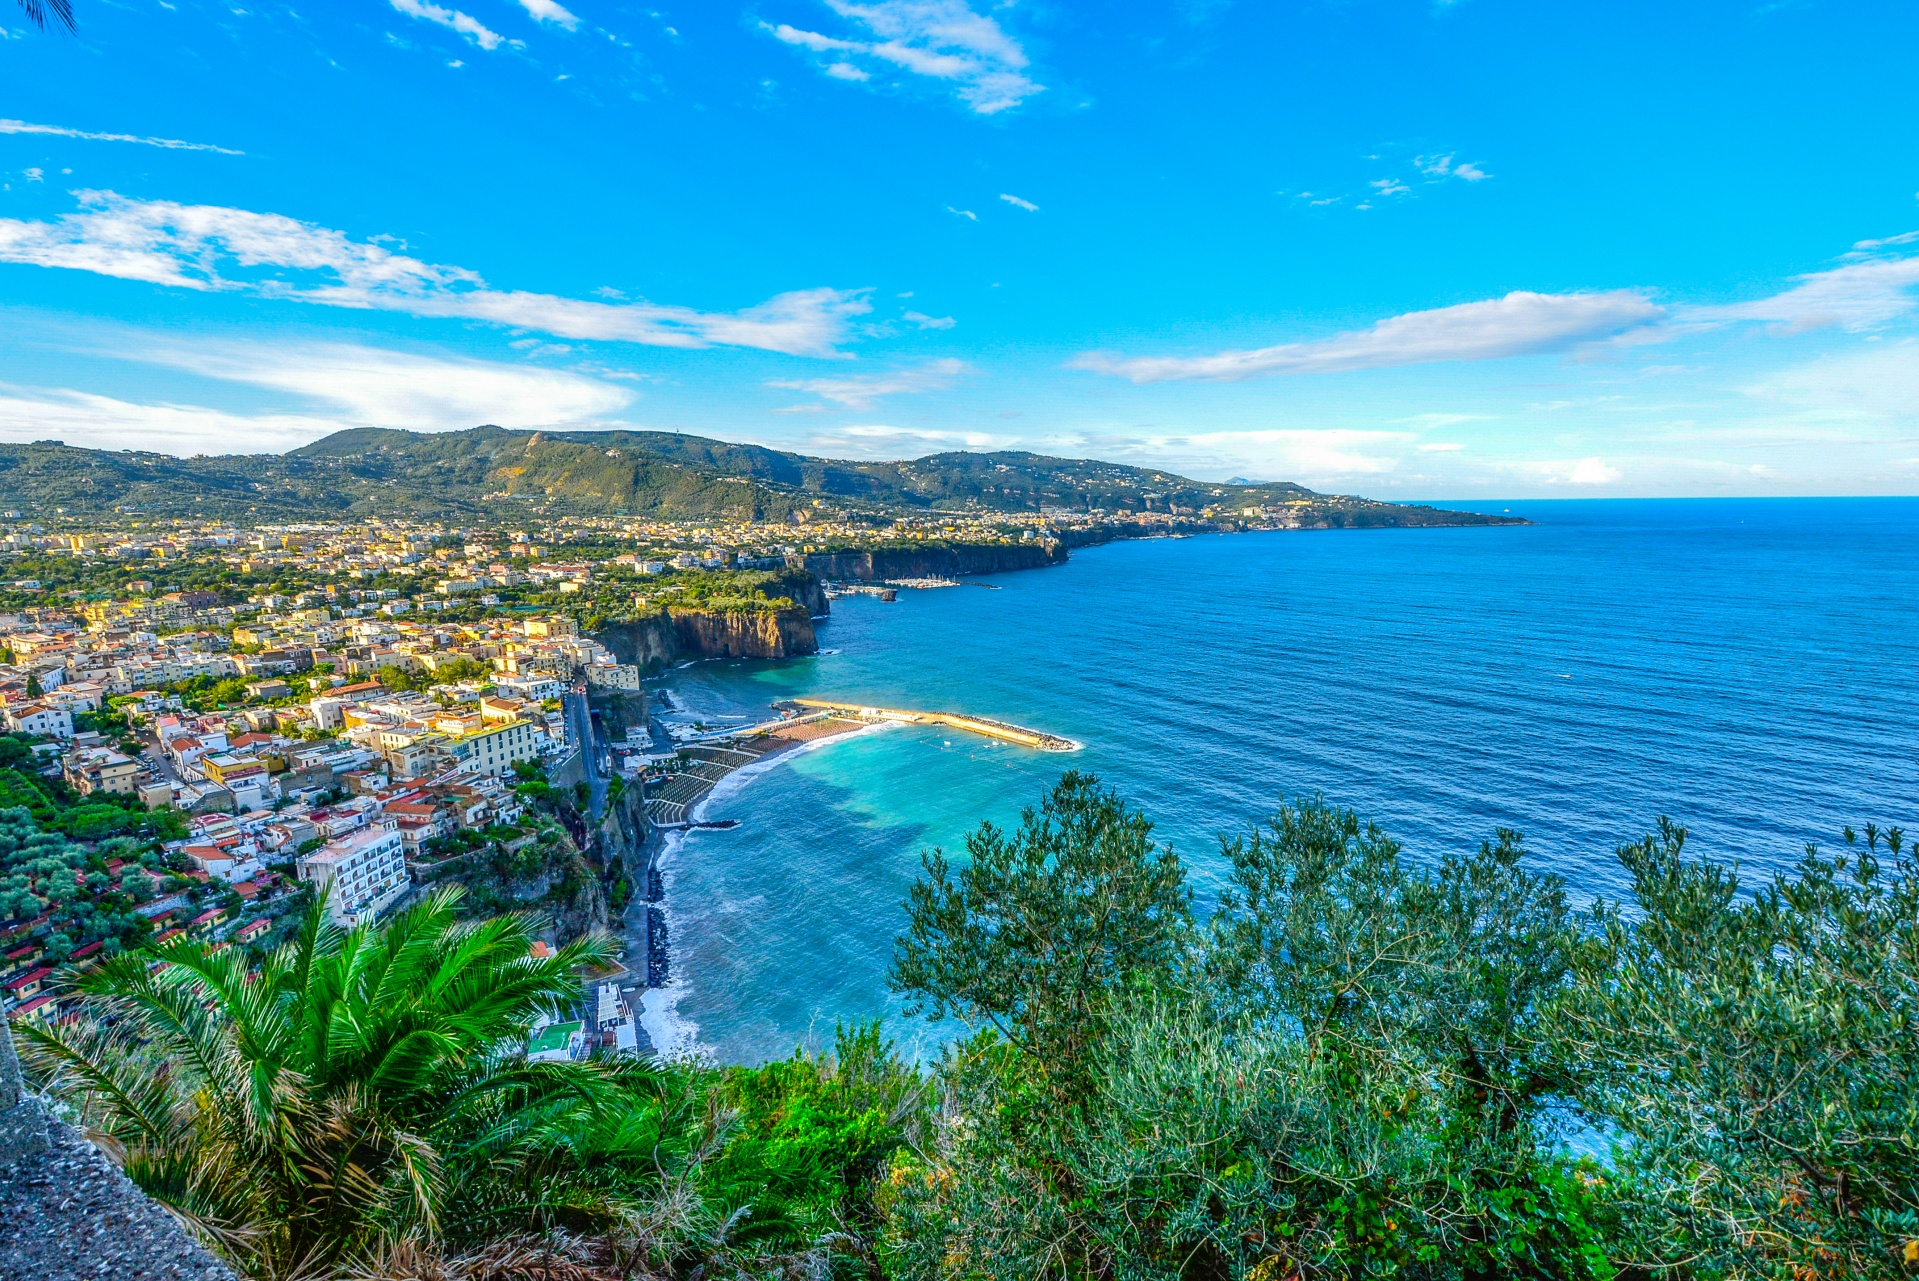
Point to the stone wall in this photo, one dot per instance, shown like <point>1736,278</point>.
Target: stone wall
<point>68,1214</point>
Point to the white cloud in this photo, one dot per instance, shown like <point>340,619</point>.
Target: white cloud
<point>1437,168</point>
<point>1017,203</point>
<point>1389,186</point>
<point>35,174</point>
<point>550,11</point>
<point>1519,324</point>
<point>882,440</point>
<point>1313,454</point>
<point>1431,421</point>
<point>967,214</point>
<point>337,385</point>
<point>466,25</point>
<point>1872,246</point>
<point>101,422</point>
<point>1592,471</point>
<point>865,390</point>
<point>1879,386</point>
<point>1441,447</point>
<point>940,39</point>
<point>925,321</point>
<point>371,387</point>
<point>58,131</point>
<point>1856,296</point>
<point>211,247</point>
<point>847,71</point>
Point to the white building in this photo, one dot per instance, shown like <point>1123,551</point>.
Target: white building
<point>494,750</point>
<point>39,718</point>
<point>362,874</point>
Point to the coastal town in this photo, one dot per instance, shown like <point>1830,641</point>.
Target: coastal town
<point>205,727</point>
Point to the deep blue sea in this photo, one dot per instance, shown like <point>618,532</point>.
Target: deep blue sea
<point>1749,667</point>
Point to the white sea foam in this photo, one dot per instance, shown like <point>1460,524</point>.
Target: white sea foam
<point>672,1033</point>
<point>733,782</point>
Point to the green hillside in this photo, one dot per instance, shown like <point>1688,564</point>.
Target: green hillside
<point>489,471</point>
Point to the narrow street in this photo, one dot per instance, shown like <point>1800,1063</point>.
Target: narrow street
<point>593,753</point>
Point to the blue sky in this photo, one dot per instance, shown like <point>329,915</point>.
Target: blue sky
<point>1485,248</point>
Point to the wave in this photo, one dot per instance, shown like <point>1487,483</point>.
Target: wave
<point>675,1036</point>
<point>732,783</point>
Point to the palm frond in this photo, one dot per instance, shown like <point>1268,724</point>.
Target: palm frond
<point>38,11</point>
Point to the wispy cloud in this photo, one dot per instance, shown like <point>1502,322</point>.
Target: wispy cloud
<point>943,40</point>
<point>1879,385</point>
<point>1519,324</point>
<point>864,391</point>
<point>103,422</point>
<point>1439,167</point>
<point>453,19</point>
<point>335,385</point>
<point>1017,203</point>
<point>212,247</point>
<point>1860,295</point>
<point>883,440</point>
<point>967,214</point>
<point>1427,170</point>
<point>372,387</point>
<point>550,11</point>
<point>925,321</point>
<point>59,131</point>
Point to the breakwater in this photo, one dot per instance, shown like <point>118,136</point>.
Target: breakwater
<point>1001,730</point>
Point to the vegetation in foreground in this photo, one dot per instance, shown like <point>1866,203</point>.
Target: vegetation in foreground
<point>1356,1068</point>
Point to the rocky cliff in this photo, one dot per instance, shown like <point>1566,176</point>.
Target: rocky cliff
<point>930,562</point>
<point>779,633</point>
<point>674,635</point>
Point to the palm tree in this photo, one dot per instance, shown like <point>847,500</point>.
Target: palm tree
<point>37,11</point>
<point>359,1087</point>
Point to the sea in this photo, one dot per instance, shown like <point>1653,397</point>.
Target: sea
<point>1749,668</point>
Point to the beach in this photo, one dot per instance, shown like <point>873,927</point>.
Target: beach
<point>671,1034</point>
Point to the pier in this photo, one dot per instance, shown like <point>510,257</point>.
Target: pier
<point>971,724</point>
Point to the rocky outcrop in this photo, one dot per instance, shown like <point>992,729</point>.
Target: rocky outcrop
<point>931,562</point>
<point>674,635</point>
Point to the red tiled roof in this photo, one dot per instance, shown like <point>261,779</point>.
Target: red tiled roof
<point>27,1007</point>
<point>31,976</point>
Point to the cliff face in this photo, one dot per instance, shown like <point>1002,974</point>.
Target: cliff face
<point>807,593</point>
<point>674,635</point>
<point>930,562</point>
<point>775,634</point>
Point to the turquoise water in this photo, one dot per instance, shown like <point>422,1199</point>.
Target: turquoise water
<point>1747,667</point>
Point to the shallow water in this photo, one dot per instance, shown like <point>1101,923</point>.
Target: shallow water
<point>1747,667</point>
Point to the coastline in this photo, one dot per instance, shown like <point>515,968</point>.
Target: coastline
<point>674,1036</point>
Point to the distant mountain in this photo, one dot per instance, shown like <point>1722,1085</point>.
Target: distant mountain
<point>495,473</point>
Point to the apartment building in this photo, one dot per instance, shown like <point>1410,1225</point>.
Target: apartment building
<point>362,874</point>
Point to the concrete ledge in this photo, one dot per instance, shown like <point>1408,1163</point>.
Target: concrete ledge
<point>70,1215</point>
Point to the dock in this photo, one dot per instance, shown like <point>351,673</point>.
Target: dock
<point>953,720</point>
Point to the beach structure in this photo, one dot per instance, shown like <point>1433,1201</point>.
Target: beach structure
<point>1001,730</point>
